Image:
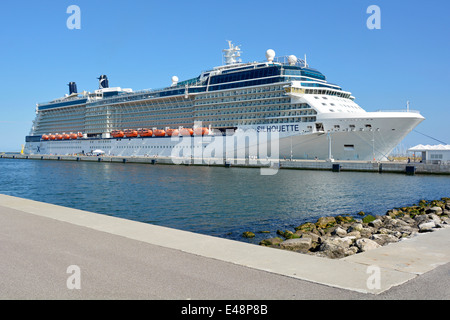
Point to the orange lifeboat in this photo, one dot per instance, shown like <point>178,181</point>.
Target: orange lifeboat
<point>58,136</point>
<point>201,131</point>
<point>66,136</point>
<point>145,132</point>
<point>73,136</point>
<point>79,135</point>
<point>52,137</point>
<point>186,132</point>
<point>159,133</point>
<point>172,132</point>
<point>117,134</point>
<point>45,137</point>
<point>130,133</point>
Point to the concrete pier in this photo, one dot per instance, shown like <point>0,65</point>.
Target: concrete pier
<point>42,245</point>
<point>360,166</point>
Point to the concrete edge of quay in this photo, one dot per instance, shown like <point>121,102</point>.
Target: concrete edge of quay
<point>336,166</point>
<point>397,263</point>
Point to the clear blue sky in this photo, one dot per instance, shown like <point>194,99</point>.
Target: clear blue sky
<point>142,44</point>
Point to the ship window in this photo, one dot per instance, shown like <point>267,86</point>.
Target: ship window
<point>349,147</point>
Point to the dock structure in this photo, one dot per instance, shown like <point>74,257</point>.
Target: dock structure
<point>410,168</point>
<point>54,252</point>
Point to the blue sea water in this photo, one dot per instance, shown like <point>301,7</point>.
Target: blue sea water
<point>216,201</point>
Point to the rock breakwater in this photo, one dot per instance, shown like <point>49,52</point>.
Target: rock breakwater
<point>340,236</point>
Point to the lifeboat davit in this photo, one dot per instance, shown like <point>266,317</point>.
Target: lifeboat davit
<point>145,132</point>
<point>201,131</point>
<point>73,136</point>
<point>159,133</point>
<point>66,136</point>
<point>45,137</point>
<point>186,132</point>
<point>129,133</point>
<point>58,136</point>
<point>117,134</point>
<point>172,132</point>
<point>52,137</point>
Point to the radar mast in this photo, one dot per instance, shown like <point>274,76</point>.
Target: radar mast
<point>232,54</point>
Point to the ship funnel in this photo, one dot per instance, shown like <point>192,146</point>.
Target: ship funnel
<point>72,87</point>
<point>103,82</point>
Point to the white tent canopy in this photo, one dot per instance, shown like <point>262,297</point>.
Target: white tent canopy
<point>421,147</point>
<point>439,154</point>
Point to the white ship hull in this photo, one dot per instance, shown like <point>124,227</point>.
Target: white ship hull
<point>373,137</point>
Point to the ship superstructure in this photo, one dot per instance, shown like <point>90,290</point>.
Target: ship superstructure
<point>312,117</point>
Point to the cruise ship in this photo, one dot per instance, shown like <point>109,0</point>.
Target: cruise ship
<point>279,108</point>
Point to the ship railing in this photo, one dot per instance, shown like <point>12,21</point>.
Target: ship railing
<point>400,110</point>
<point>59,100</point>
<point>151,93</point>
<point>181,86</point>
<point>144,91</point>
<point>284,60</point>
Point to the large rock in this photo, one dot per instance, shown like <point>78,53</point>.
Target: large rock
<point>339,232</point>
<point>368,218</point>
<point>271,241</point>
<point>421,219</point>
<point>377,223</point>
<point>314,237</point>
<point>306,227</point>
<point>445,220</point>
<point>384,239</point>
<point>395,224</point>
<point>248,234</point>
<point>410,221</point>
<point>392,213</point>
<point>355,234</point>
<point>344,219</point>
<point>288,234</point>
<point>434,217</point>
<point>299,244</point>
<point>396,233</point>
<point>355,227</point>
<point>435,210</point>
<point>325,222</point>
<point>367,232</point>
<point>336,247</point>
<point>365,244</point>
<point>407,231</point>
<point>427,226</point>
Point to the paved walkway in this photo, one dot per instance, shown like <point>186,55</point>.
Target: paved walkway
<point>121,259</point>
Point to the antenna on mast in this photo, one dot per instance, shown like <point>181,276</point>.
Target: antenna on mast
<point>231,54</point>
